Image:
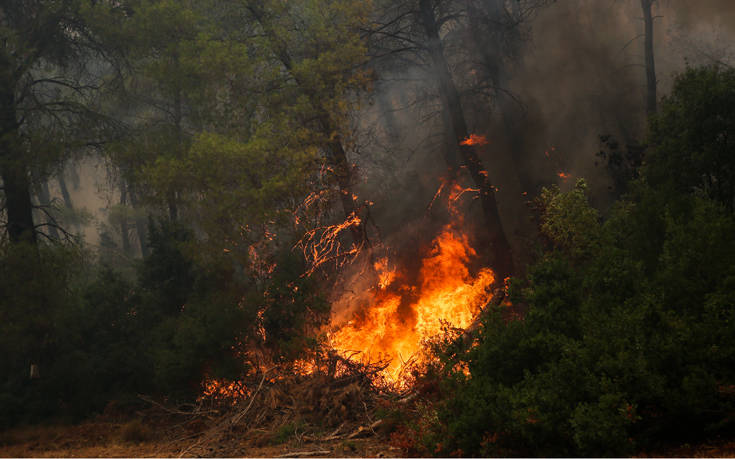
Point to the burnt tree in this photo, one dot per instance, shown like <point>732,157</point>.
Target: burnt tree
<point>500,248</point>
<point>651,83</point>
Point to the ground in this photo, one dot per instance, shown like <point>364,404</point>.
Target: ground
<point>103,437</point>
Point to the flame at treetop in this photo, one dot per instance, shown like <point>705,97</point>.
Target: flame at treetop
<point>402,314</point>
<point>564,176</point>
<point>474,139</point>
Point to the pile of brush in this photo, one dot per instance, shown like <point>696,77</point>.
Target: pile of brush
<point>335,399</point>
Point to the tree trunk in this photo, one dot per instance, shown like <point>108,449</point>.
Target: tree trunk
<point>343,173</point>
<point>124,231</point>
<point>140,223</point>
<point>44,199</point>
<point>64,190</point>
<point>14,173</point>
<point>18,202</point>
<point>501,257</point>
<point>651,97</point>
<point>388,116</point>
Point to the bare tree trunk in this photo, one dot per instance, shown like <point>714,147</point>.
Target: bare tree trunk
<point>173,210</point>
<point>651,97</point>
<point>488,45</point>
<point>140,223</point>
<point>64,190</point>
<point>44,199</point>
<point>500,248</point>
<point>387,114</point>
<point>343,174</point>
<point>14,173</point>
<point>124,230</point>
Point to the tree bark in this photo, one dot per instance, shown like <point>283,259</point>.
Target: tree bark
<point>124,230</point>
<point>140,223</point>
<point>501,256</point>
<point>14,173</point>
<point>651,83</point>
<point>64,190</point>
<point>44,199</point>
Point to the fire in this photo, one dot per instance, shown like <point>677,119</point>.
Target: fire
<point>564,176</point>
<point>223,390</point>
<point>402,314</point>
<point>322,245</point>
<point>474,140</point>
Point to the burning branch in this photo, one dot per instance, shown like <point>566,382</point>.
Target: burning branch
<point>323,245</point>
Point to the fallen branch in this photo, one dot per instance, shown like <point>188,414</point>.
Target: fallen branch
<point>235,419</point>
<point>307,453</point>
<point>195,412</point>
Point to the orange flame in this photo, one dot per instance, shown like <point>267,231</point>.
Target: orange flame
<point>223,390</point>
<point>474,140</point>
<point>564,176</point>
<point>403,315</point>
<point>322,245</point>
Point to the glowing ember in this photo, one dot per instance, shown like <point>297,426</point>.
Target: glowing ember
<point>474,140</point>
<point>223,390</point>
<point>402,315</point>
<point>564,176</point>
<point>322,245</point>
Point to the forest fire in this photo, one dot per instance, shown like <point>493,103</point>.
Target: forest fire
<point>403,314</point>
<point>474,140</point>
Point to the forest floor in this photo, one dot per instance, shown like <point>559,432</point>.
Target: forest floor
<point>106,438</point>
<point>103,437</point>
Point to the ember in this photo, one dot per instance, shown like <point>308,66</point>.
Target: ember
<point>564,176</point>
<point>474,140</point>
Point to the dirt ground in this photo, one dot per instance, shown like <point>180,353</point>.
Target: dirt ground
<point>101,438</point>
<point>104,438</point>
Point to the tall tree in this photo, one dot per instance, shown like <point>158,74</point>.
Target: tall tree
<point>651,83</point>
<point>50,64</point>
<point>341,49</point>
<point>500,248</point>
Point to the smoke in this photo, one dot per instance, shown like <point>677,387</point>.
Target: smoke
<point>578,74</point>
<point>691,15</point>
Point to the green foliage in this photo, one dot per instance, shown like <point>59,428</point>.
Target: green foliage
<point>293,309</point>
<point>693,136</point>
<point>620,349</point>
<point>627,339</point>
<point>77,332</point>
<point>567,219</point>
<point>98,336</point>
<point>287,431</point>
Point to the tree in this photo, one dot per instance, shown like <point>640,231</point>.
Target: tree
<point>651,83</point>
<point>692,139</point>
<point>502,260</point>
<point>332,27</point>
<point>50,64</point>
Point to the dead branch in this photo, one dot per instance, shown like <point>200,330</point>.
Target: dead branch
<point>197,411</point>
<point>235,419</point>
<point>307,453</point>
